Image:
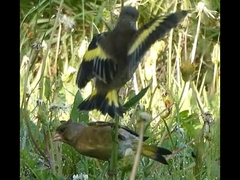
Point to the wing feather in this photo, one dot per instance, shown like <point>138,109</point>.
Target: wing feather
<point>149,34</point>
<point>96,63</point>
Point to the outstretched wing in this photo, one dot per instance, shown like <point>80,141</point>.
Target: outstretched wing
<point>149,34</point>
<point>96,63</point>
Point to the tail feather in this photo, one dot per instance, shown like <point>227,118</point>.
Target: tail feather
<point>155,153</point>
<point>107,103</point>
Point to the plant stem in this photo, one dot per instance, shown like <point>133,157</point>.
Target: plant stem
<point>24,106</point>
<point>42,109</point>
<point>139,149</point>
<point>114,157</point>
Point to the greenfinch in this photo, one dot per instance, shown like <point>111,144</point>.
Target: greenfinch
<point>95,140</point>
<point>112,58</point>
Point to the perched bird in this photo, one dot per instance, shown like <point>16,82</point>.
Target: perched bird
<point>112,58</point>
<point>95,140</point>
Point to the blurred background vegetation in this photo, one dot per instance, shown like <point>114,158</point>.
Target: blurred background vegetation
<point>182,69</point>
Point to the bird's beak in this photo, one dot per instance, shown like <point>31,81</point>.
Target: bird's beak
<point>56,137</point>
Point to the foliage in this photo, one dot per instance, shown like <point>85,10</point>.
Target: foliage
<point>181,72</point>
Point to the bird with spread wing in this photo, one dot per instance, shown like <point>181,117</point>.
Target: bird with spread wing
<point>112,58</point>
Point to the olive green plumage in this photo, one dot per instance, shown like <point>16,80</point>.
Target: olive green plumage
<point>95,140</point>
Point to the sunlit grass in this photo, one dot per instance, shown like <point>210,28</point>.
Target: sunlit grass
<point>183,99</point>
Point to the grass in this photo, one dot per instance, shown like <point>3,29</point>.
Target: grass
<point>183,98</point>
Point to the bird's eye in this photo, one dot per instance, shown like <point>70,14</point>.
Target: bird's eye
<point>62,130</point>
<point>130,15</point>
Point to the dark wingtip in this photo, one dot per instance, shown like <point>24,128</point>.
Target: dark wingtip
<point>164,151</point>
<point>176,17</point>
<point>182,14</point>
<point>162,160</point>
<point>145,138</point>
<point>160,153</point>
<point>84,74</point>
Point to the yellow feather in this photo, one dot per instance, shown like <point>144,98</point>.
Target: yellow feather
<point>141,38</point>
<point>112,98</point>
<point>96,53</point>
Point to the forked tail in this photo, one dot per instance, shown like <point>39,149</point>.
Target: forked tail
<point>107,103</point>
<point>155,153</point>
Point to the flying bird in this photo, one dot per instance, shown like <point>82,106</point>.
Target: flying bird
<point>112,58</point>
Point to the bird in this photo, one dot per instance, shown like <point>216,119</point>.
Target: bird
<point>94,140</point>
<point>112,58</point>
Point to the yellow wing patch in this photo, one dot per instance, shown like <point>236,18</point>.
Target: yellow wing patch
<point>94,54</point>
<point>143,36</point>
<point>148,34</point>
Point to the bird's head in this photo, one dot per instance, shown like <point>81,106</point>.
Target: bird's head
<point>67,132</point>
<point>128,15</point>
